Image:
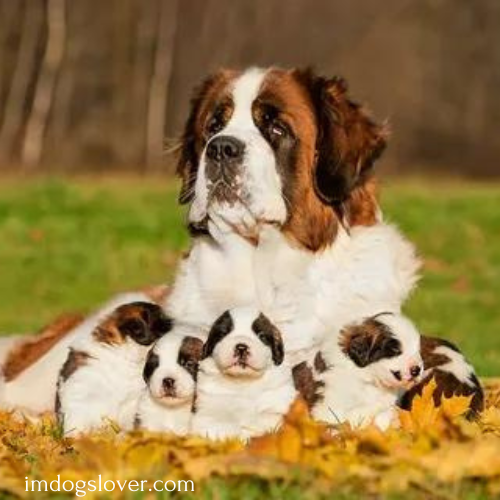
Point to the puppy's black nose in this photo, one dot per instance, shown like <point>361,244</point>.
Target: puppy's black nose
<point>225,148</point>
<point>241,350</point>
<point>168,383</point>
<point>415,371</point>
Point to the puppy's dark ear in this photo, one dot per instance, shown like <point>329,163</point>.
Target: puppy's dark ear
<point>187,165</point>
<point>271,336</point>
<point>152,363</point>
<point>137,330</point>
<point>358,348</point>
<point>159,323</point>
<point>191,348</point>
<point>348,142</point>
<point>143,322</point>
<point>223,326</point>
<point>306,385</point>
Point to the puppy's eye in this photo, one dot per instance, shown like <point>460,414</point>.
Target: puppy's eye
<point>190,364</point>
<point>397,374</point>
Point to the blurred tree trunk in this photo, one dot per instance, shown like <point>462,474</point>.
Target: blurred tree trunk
<point>44,93</point>
<point>159,85</point>
<point>18,97</point>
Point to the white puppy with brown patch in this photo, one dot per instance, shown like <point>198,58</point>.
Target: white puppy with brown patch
<point>244,383</point>
<point>363,373</point>
<point>170,373</point>
<point>102,376</point>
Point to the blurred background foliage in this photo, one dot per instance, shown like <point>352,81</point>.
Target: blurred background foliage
<point>92,85</point>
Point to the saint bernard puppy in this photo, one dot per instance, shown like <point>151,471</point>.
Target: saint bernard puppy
<point>170,373</point>
<point>362,375</point>
<point>31,368</point>
<point>102,376</point>
<point>244,385</point>
<point>454,376</point>
<point>276,167</point>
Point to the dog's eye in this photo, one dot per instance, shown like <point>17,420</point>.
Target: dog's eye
<point>190,364</point>
<point>278,129</point>
<point>214,125</point>
<point>262,336</point>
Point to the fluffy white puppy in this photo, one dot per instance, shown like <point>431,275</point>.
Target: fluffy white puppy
<point>362,375</point>
<point>33,391</point>
<point>170,373</point>
<point>244,386</point>
<point>102,376</point>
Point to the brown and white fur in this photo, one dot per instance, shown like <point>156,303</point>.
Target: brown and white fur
<point>170,373</point>
<point>365,372</point>
<point>453,374</point>
<point>102,376</point>
<point>244,384</point>
<point>276,168</point>
<point>33,389</point>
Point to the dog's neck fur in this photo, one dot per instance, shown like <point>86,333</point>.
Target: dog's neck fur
<point>154,416</point>
<point>216,275</point>
<point>228,407</point>
<point>349,396</point>
<point>365,271</point>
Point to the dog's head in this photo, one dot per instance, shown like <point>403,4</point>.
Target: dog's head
<point>282,147</point>
<point>387,347</point>
<point>140,322</point>
<point>244,343</point>
<point>171,369</point>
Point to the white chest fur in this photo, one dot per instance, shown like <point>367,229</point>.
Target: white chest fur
<point>347,397</point>
<point>235,408</point>
<point>153,416</point>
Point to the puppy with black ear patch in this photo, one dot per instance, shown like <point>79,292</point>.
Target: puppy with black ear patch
<point>366,370</point>
<point>170,373</point>
<point>454,376</point>
<point>102,376</point>
<point>244,384</point>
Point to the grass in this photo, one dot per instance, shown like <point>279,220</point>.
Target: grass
<point>68,245</point>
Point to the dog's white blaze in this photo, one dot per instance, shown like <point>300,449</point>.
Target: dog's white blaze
<point>457,365</point>
<point>245,91</point>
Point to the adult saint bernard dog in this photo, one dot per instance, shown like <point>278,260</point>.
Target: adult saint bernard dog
<point>277,168</point>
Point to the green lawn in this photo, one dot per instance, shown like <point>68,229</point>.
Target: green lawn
<point>68,245</point>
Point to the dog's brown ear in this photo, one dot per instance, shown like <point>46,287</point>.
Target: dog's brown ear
<point>187,165</point>
<point>348,142</point>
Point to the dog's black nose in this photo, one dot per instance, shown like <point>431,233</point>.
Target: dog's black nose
<point>241,350</point>
<point>168,383</point>
<point>225,148</point>
<point>415,371</point>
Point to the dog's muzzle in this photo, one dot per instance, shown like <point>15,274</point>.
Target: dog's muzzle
<point>224,167</point>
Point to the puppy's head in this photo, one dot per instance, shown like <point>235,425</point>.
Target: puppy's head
<point>139,322</point>
<point>244,343</point>
<point>387,347</point>
<point>171,369</point>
